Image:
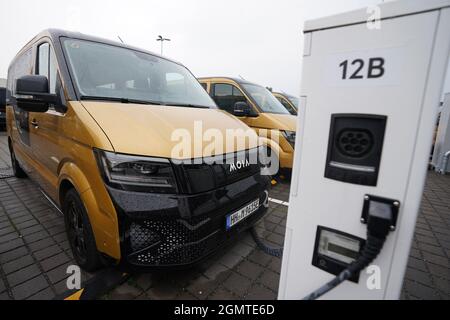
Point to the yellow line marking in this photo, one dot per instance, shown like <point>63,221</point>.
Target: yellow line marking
<point>75,296</point>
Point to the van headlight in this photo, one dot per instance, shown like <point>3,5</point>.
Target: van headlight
<point>136,173</point>
<point>290,137</point>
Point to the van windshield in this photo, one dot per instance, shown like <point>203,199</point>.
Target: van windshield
<point>265,99</point>
<point>103,71</point>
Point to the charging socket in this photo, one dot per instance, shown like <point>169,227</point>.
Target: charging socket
<point>354,148</point>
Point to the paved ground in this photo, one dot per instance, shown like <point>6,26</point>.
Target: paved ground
<point>34,252</point>
<point>428,273</point>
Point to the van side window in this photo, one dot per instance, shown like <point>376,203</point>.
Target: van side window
<point>21,67</point>
<point>205,86</point>
<point>46,65</point>
<point>43,59</point>
<point>226,95</point>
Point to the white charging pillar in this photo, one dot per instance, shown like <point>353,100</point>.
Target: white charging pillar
<point>381,83</point>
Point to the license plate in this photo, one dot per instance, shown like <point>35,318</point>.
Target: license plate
<point>242,213</point>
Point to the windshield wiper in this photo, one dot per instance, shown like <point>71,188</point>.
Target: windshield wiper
<point>189,105</point>
<point>121,100</point>
<point>127,100</point>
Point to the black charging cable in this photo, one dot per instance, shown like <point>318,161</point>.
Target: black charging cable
<point>273,251</point>
<point>262,245</point>
<point>378,227</point>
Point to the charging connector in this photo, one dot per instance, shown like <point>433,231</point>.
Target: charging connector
<point>379,215</point>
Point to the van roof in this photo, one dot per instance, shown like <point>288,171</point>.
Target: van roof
<point>237,80</point>
<point>55,34</point>
<point>285,94</point>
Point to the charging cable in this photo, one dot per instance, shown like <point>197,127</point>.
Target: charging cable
<point>275,252</point>
<point>378,227</point>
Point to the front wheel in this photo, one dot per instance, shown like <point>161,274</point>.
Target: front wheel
<point>79,232</point>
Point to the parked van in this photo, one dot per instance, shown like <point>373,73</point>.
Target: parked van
<point>91,122</point>
<point>2,108</point>
<point>291,103</point>
<point>259,109</point>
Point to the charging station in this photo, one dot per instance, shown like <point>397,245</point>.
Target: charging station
<point>369,97</point>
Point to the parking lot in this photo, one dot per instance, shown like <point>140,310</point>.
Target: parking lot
<point>34,251</point>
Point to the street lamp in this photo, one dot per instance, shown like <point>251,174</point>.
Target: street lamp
<point>160,38</point>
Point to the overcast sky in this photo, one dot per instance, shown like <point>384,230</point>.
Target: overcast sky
<point>257,39</point>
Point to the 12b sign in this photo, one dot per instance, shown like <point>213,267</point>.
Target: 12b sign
<point>364,68</point>
<point>374,68</point>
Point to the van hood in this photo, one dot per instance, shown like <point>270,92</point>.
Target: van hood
<point>148,129</point>
<point>286,122</point>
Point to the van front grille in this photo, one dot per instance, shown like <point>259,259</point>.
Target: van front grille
<point>169,241</point>
<point>172,241</point>
<point>218,172</point>
<point>142,237</point>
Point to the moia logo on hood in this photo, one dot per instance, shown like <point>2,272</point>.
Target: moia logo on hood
<point>240,164</point>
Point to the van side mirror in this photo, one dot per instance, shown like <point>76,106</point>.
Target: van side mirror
<point>241,109</point>
<point>32,93</point>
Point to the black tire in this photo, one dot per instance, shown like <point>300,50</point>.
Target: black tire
<point>17,169</point>
<point>79,233</point>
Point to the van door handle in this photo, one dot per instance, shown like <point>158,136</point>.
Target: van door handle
<point>35,124</point>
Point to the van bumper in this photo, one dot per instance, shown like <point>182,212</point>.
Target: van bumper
<point>167,230</point>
